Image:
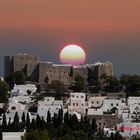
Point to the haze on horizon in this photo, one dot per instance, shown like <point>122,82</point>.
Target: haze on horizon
<point>107,30</point>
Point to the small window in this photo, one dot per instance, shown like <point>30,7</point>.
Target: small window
<point>73,104</point>
<point>13,108</point>
<point>97,102</point>
<point>111,104</point>
<point>117,104</point>
<point>77,104</point>
<point>92,102</point>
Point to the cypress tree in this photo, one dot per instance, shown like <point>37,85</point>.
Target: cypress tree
<point>16,122</point>
<point>71,72</point>
<point>42,123</point>
<point>38,122</point>
<point>27,119</point>
<point>48,117</point>
<point>1,137</point>
<point>94,126</point>
<point>66,118</point>
<point>23,118</point>
<point>9,125</point>
<point>27,123</point>
<point>74,122</point>
<point>60,116</point>
<point>33,124</point>
<point>55,123</point>
<point>4,123</point>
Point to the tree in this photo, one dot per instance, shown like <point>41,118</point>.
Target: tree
<point>3,91</point>
<point>4,123</point>
<point>79,83</point>
<point>48,117</point>
<point>19,77</point>
<point>23,118</point>
<point>15,123</point>
<point>1,138</point>
<point>113,84</point>
<point>33,124</point>
<point>92,76</point>
<point>38,122</point>
<point>74,122</point>
<point>55,123</point>
<point>94,126</point>
<point>37,135</point>
<point>96,87</point>
<point>118,136</point>
<point>71,72</point>
<point>9,125</point>
<point>46,79</point>
<point>131,83</point>
<point>27,122</point>
<point>58,86</point>
<point>33,108</point>
<point>66,118</point>
<point>60,117</point>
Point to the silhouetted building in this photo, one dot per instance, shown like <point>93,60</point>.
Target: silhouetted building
<point>45,72</point>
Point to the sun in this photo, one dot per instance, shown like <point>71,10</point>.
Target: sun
<point>72,54</point>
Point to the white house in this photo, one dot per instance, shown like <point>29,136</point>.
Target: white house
<point>133,103</point>
<point>12,135</point>
<point>77,103</point>
<point>21,90</point>
<point>97,105</point>
<point>49,104</point>
<point>110,103</point>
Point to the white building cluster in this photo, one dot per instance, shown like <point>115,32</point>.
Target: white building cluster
<point>49,104</point>
<point>127,110</point>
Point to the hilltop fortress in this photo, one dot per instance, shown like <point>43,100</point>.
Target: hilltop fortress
<point>43,72</point>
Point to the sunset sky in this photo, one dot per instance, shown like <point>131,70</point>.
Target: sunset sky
<point>108,30</point>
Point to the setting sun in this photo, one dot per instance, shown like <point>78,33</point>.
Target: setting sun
<point>72,54</point>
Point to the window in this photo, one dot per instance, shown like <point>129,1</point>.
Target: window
<point>97,102</point>
<point>13,108</point>
<point>92,102</point>
<point>111,104</point>
<point>77,104</point>
<point>73,104</point>
<point>117,104</point>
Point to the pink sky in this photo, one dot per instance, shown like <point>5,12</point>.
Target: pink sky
<point>106,29</point>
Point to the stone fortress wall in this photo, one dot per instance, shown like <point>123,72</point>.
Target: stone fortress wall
<point>45,72</point>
